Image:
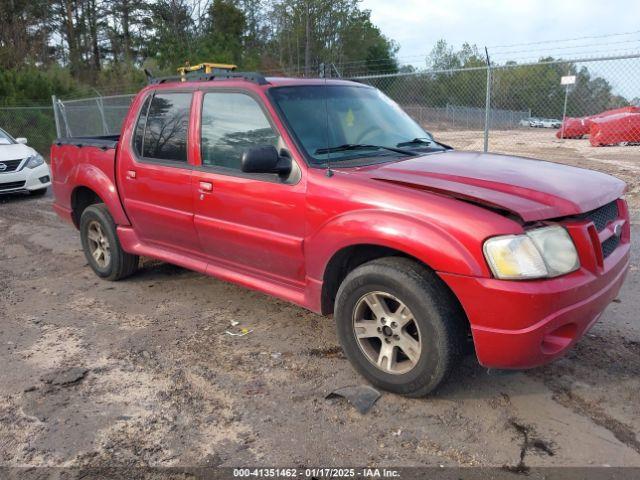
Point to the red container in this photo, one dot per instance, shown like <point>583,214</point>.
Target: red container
<point>577,127</point>
<point>573,128</point>
<point>615,129</point>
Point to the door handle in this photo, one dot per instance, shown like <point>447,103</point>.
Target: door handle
<point>206,186</point>
<point>131,174</point>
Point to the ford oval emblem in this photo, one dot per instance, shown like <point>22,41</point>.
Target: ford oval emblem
<point>3,167</point>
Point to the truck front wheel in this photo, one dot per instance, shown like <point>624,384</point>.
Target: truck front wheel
<point>399,325</point>
<point>101,245</point>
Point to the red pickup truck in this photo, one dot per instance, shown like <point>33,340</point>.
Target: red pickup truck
<point>326,194</point>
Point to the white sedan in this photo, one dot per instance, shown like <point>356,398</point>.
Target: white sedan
<point>551,123</point>
<point>22,169</point>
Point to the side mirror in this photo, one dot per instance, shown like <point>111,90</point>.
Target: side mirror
<point>21,140</point>
<point>265,159</point>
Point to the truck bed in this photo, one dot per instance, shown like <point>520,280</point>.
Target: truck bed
<point>83,161</point>
<point>101,141</point>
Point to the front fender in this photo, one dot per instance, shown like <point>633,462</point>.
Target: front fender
<point>428,242</point>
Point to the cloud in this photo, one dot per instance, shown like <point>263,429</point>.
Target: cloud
<point>416,25</point>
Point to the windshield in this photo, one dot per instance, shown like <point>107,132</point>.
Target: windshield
<point>5,138</point>
<point>340,123</point>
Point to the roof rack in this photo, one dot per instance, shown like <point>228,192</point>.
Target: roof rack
<point>208,77</point>
<point>206,67</point>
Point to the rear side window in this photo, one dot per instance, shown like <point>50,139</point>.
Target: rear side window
<point>139,132</point>
<point>232,123</point>
<point>165,133</point>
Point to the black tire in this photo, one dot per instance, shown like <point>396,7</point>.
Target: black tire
<point>438,316</point>
<point>121,263</point>
<point>38,193</point>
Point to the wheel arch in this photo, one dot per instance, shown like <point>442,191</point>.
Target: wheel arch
<point>346,260</point>
<point>81,198</point>
<point>353,240</point>
<point>351,257</point>
<point>94,186</point>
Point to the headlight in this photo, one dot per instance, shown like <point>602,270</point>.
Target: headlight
<point>557,248</point>
<point>34,161</point>
<point>539,253</point>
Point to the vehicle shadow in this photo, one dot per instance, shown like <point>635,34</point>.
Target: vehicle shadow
<point>600,358</point>
<point>469,380</point>
<point>596,360</point>
<point>22,197</point>
<point>152,269</point>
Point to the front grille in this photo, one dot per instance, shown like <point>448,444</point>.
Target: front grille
<point>603,215</point>
<point>10,165</point>
<point>609,245</point>
<point>11,185</point>
<point>600,218</point>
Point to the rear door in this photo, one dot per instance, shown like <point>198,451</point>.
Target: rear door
<point>154,173</point>
<point>250,222</point>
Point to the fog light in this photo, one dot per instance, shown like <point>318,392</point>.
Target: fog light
<point>559,339</point>
<point>44,179</point>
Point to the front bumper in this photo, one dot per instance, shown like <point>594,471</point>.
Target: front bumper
<point>25,180</point>
<point>529,323</point>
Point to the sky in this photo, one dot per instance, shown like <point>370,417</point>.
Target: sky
<point>417,24</point>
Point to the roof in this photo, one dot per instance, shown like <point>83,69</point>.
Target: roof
<point>235,78</point>
<point>282,81</point>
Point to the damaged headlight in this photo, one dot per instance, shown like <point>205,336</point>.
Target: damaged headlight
<point>540,253</point>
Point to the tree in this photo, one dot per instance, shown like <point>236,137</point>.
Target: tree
<point>25,30</point>
<point>104,43</point>
<point>309,32</point>
<point>173,30</point>
<point>363,39</point>
<point>224,35</point>
<point>537,87</point>
<point>452,78</point>
<point>125,24</point>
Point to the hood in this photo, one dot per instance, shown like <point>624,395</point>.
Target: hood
<point>531,189</point>
<point>15,151</point>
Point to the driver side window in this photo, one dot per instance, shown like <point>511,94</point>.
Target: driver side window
<point>232,123</point>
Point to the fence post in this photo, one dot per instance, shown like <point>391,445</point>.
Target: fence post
<point>487,104</point>
<point>105,129</point>
<point>54,102</point>
<point>63,113</point>
<point>564,112</point>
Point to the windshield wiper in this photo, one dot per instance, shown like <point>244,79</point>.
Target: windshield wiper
<point>361,146</point>
<point>415,141</point>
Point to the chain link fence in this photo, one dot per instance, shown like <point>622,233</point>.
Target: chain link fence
<point>41,125</point>
<point>35,123</point>
<point>509,108</point>
<point>91,116</point>
<point>517,108</point>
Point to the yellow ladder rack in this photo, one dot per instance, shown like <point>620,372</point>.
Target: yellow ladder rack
<point>205,68</point>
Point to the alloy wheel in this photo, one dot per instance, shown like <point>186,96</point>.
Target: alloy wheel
<point>98,244</point>
<point>387,333</point>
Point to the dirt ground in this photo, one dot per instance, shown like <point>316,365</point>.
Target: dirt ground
<point>141,372</point>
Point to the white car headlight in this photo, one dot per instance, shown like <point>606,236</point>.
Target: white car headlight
<point>539,253</point>
<point>34,161</point>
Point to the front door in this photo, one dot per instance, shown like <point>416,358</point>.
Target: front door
<point>155,176</point>
<point>251,222</point>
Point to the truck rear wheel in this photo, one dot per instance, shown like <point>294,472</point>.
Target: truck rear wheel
<point>101,245</point>
<point>399,325</point>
